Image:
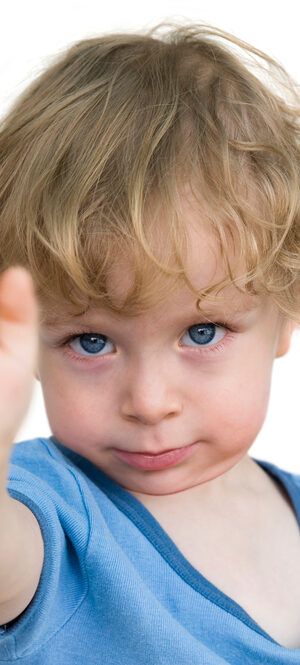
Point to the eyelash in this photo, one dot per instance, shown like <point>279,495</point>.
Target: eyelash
<point>216,348</point>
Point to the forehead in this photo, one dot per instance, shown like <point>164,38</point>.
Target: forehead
<point>204,267</point>
<point>180,307</point>
<point>203,263</point>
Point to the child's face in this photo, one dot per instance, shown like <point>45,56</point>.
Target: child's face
<point>160,381</point>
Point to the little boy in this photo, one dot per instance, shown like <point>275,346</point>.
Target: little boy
<point>150,259</point>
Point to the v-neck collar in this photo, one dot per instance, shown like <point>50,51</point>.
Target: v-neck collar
<point>158,537</point>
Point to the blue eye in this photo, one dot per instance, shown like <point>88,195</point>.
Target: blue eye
<point>202,334</point>
<point>90,343</point>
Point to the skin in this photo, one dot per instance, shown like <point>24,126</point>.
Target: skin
<point>152,388</point>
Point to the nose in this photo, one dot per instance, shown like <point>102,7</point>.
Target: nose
<point>150,395</point>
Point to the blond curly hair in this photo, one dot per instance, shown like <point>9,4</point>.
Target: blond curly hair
<point>109,134</point>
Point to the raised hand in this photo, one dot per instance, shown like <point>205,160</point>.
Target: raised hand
<point>18,349</point>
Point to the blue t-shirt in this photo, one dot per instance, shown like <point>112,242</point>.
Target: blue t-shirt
<point>114,589</point>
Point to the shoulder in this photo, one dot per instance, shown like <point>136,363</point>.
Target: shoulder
<point>35,451</point>
<point>289,481</point>
<point>39,474</point>
<point>283,474</point>
<point>41,458</point>
<point>46,482</point>
<point>279,472</point>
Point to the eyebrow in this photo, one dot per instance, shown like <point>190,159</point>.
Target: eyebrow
<point>61,322</point>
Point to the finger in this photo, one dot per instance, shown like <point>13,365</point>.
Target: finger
<point>18,314</point>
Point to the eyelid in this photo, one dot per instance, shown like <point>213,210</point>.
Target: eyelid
<point>201,351</point>
<point>86,329</point>
<point>68,337</point>
<point>89,361</point>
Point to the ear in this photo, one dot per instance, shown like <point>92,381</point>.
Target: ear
<point>285,337</point>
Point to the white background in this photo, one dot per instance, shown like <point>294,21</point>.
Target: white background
<point>31,32</point>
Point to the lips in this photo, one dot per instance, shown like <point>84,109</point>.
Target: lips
<point>150,461</point>
<point>152,454</point>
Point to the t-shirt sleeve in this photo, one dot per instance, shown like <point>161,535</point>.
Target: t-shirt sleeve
<point>52,491</point>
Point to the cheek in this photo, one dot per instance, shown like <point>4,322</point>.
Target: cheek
<point>240,408</point>
<point>76,410</point>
